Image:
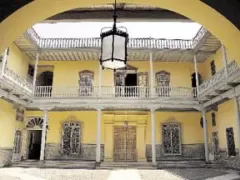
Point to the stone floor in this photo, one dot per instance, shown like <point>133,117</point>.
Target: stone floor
<point>130,174</point>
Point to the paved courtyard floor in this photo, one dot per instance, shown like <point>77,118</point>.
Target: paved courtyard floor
<point>129,174</point>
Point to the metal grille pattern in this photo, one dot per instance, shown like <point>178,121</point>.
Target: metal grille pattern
<point>230,142</point>
<point>171,139</point>
<point>86,83</point>
<point>125,144</point>
<point>36,122</point>
<point>71,138</point>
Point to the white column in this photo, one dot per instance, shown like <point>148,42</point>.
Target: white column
<point>35,70</point>
<point>196,73</point>
<point>224,54</point>
<point>44,130</point>
<point>236,103</point>
<point>4,60</point>
<point>98,138</point>
<point>153,127</point>
<point>151,74</point>
<point>205,130</point>
<point>100,80</point>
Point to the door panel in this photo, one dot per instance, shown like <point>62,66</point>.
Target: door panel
<point>124,144</point>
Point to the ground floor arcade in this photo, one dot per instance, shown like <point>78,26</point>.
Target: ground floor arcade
<point>109,135</point>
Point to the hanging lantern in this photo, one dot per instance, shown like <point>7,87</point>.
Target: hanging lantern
<point>114,46</point>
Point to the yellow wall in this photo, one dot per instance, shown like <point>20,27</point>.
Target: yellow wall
<point>55,119</point>
<point>225,118</point>
<point>67,73</point>
<point>18,61</point>
<point>191,131</point>
<point>8,124</point>
<point>190,123</point>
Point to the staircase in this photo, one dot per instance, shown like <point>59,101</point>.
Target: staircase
<point>186,164</point>
<point>126,165</point>
<point>62,164</point>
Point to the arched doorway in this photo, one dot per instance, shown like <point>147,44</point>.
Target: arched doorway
<point>45,80</point>
<point>195,10</point>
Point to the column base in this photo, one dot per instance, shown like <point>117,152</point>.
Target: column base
<point>142,160</point>
<point>108,160</point>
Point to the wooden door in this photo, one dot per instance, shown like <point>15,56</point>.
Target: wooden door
<point>125,144</point>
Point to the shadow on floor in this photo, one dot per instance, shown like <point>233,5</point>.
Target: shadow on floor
<point>197,173</point>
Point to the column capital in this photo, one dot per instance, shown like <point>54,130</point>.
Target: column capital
<point>98,107</point>
<point>46,108</point>
<point>153,108</point>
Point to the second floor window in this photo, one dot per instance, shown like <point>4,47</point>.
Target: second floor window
<point>30,70</point>
<point>213,119</point>
<point>163,78</point>
<point>86,82</point>
<point>213,67</point>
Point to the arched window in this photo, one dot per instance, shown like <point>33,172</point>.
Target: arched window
<point>71,137</point>
<point>86,82</point>
<point>35,123</point>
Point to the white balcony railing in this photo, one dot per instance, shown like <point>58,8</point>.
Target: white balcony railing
<point>113,92</point>
<point>219,78</point>
<point>16,81</point>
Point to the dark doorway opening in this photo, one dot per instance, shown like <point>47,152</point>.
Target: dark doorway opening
<point>45,79</point>
<point>131,80</point>
<point>34,148</point>
<point>131,89</point>
<point>194,81</point>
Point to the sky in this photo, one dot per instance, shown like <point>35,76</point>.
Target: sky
<point>168,30</point>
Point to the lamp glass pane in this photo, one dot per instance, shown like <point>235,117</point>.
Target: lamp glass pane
<point>113,64</point>
<point>119,47</point>
<point>107,47</point>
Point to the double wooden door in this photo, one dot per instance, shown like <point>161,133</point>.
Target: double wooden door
<point>125,144</point>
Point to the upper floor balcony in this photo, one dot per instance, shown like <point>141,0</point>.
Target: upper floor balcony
<point>223,80</point>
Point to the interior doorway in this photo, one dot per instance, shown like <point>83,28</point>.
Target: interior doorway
<point>194,81</point>
<point>34,147</point>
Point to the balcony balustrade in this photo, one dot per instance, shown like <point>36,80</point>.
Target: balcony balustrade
<point>18,84</point>
<point>121,92</point>
<point>220,80</point>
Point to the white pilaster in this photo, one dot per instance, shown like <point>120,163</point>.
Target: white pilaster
<point>4,60</point>
<point>151,74</point>
<point>35,70</point>
<point>196,73</point>
<point>224,54</point>
<point>236,103</point>
<point>100,80</point>
<point>98,138</point>
<point>153,128</point>
<point>44,130</point>
<point>205,131</point>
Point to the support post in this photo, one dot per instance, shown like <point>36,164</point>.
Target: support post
<point>35,70</point>
<point>44,130</point>
<point>151,74</point>
<point>205,130</point>
<point>196,73</point>
<point>100,81</point>
<point>153,128</point>
<point>4,61</point>
<point>98,138</point>
<point>236,104</point>
<point>224,54</point>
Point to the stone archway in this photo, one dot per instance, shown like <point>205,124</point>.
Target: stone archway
<point>196,10</point>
